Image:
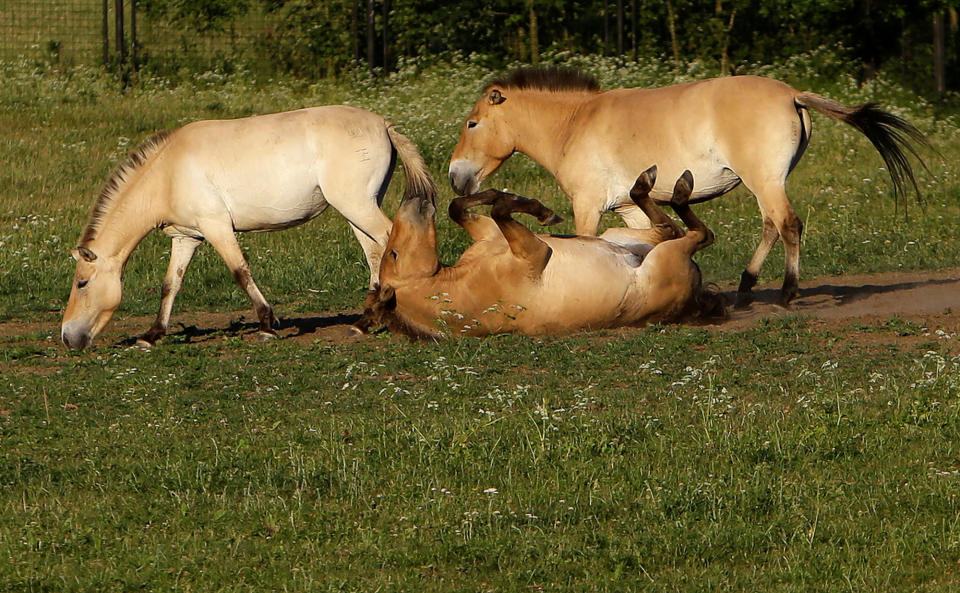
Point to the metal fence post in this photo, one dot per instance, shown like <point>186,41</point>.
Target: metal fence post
<point>121,39</point>
<point>106,34</point>
<point>133,35</point>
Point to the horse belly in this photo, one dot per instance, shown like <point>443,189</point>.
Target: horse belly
<point>265,172</point>
<point>583,288</point>
<point>277,211</point>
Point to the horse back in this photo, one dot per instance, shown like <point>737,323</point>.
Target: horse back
<point>716,128</point>
<point>274,171</point>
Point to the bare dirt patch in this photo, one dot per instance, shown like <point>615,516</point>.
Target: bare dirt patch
<point>899,310</point>
<point>886,295</point>
<point>930,299</point>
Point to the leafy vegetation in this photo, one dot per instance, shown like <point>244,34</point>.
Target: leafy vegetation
<point>326,37</point>
<point>792,456</point>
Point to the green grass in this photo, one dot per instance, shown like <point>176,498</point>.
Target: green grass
<point>792,456</point>
<point>660,460</point>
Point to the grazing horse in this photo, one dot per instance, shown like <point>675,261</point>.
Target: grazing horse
<point>210,179</point>
<point>511,280</point>
<point>725,130</point>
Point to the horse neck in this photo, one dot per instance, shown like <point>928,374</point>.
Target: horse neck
<point>542,122</point>
<point>132,214</point>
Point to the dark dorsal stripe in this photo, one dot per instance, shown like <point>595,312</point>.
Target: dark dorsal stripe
<point>547,78</point>
<point>118,179</point>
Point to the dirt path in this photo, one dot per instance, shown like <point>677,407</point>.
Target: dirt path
<point>931,298</point>
<point>886,295</point>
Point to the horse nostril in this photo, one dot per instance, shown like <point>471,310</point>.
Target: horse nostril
<point>459,183</point>
<point>74,340</point>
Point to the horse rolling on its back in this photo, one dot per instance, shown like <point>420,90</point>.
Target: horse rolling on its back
<point>726,131</point>
<point>209,179</point>
<point>511,280</point>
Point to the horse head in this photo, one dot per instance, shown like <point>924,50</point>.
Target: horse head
<point>411,251</point>
<point>485,142</point>
<point>410,255</point>
<point>95,295</point>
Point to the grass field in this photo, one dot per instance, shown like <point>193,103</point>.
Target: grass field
<point>791,456</point>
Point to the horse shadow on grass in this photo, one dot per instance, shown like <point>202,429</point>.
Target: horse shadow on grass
<point>289,327</point>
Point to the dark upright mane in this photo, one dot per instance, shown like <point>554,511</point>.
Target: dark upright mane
<point>117,180</point>
<point>547,78</point>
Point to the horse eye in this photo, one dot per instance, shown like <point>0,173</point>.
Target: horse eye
<point>471,124</point>
<point>393,254</point>
<point>82,283</point>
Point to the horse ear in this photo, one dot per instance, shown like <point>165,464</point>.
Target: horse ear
<point>496,97</point>
<point>86,254</point>
<point>388,298</point>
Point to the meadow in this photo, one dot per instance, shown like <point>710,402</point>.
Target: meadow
<point>793,455</point>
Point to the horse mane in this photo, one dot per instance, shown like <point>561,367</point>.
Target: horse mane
<point>546,78</point>
<point>118,179</point>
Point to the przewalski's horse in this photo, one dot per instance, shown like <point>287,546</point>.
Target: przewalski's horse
<point>209,179</point>
<point>726,131</point>
<point>512,280</point>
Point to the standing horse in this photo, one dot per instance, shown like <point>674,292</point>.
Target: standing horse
<point>512,280</point>
<point>209,179</point>
<point>726,131</point>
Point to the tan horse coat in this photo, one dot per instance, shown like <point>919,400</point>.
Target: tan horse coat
<point>511,280</point>
<point>210,179</point>
<point>725,131</point>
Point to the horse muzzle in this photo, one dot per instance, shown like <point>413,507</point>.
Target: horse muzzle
<point>464,178</point>
<point>75,337</point>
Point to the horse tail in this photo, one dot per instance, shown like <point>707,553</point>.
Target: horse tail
<point>420,184</point>
<point>890,135</point>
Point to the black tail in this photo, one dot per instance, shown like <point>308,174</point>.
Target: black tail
<point>891,135</point>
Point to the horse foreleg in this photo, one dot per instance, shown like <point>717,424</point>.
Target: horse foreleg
<point>225,242</point>
<point>680,202</point>
<point>650,213</point>
<point>182,249</point>
<point>480,228</point>
<point>524,244</point>
<point>586,214</point>
<point>748,279</point>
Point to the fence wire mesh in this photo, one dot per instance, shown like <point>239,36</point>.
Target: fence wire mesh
<point>63,32</point>
<point>85,32</point>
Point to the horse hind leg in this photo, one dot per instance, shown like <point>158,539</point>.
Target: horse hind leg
<point>182,249</point>
<point>361,208</point>
<point>640,194</point>
<point>680,202</point>
<point>372,244</point>
<point>779,220</point>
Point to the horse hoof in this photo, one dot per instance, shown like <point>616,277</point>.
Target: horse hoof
<point>552,219</point>
<point>355,332</point>
<point>264,336</point>
<point>143,344</point>
<point>784,302</point>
